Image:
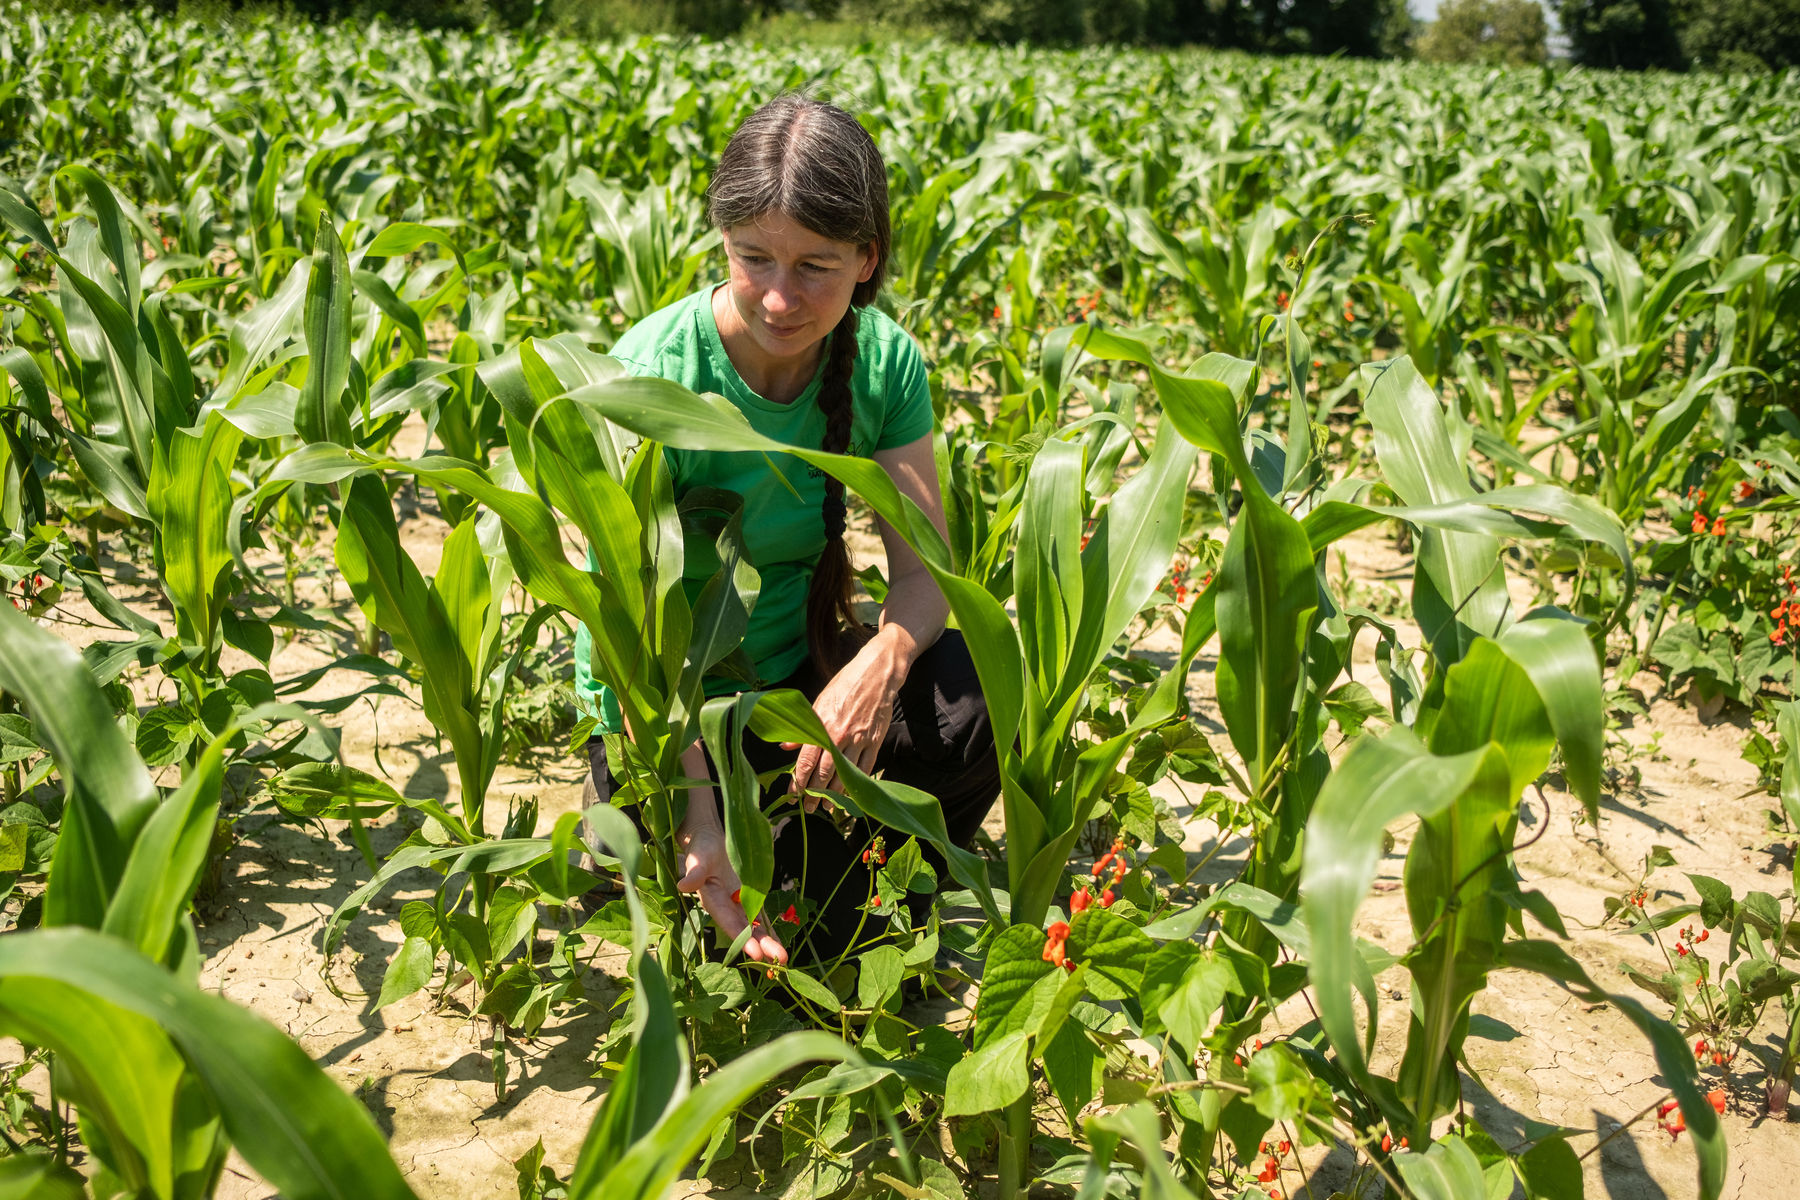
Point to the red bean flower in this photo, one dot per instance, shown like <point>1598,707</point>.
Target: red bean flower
<point>1669,1116</point>
<point>1056,945</point>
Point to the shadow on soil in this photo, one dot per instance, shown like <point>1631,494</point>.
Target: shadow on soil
<point>1622,1168</point>
<point>284,881</point>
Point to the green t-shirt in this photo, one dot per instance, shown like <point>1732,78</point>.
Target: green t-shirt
<point>783,524</point>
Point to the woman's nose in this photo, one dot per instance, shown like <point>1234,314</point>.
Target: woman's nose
<point>780,296</point>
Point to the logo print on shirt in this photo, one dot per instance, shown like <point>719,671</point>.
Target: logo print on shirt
<point>854,451</point>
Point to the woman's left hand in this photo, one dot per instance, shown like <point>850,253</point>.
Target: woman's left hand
<point>856,708</point>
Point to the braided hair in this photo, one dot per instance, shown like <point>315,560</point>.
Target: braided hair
<point>815,164</point>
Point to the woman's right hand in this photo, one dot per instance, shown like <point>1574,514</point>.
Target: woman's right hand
<point>708,874</point>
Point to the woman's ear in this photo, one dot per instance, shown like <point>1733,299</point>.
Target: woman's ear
<point>870,256</point>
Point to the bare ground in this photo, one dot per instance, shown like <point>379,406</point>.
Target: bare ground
<point>424,1071</point>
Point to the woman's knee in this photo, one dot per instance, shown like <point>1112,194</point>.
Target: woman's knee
<point>943,705</point>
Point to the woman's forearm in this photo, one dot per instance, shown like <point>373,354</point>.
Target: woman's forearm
<point>702,807</point>
<point>912,618</point>
<point>706,871</point>
<point>914,612</point>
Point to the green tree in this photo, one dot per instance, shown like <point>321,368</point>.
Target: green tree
<point>1744,35</point>
<point>1632,34</point>
<point>610,18</point>
<point>1512,32</point>
<point>1167,22</point>
<point>1357,28</point>
<point>1052,22</point>
<point>1124,22</point>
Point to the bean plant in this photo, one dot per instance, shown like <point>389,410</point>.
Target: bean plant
<point>1195,325</point>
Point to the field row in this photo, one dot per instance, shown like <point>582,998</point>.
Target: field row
<point>1200,328</point>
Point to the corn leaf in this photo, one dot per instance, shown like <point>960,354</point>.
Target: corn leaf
<point>291,1123</point>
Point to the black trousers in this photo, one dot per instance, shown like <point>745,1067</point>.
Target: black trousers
<point>940,742</point>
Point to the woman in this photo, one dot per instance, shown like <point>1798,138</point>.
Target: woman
<point>800,199</point>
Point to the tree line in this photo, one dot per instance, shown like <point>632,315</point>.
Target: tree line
<point>1723,35</point>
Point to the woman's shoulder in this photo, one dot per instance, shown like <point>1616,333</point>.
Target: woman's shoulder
<point>884,344</point>
<point>670,334</point>
<point>892,372</point>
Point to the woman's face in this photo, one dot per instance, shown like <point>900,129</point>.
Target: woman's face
<point>790,286</point>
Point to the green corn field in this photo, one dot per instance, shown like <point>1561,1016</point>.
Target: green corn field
<point>1373,499</point>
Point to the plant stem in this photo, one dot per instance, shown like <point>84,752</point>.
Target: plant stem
<point>62,1122</point>
<point>1624,1125</point>
<point>1662,608</point>
<point>1781,1083</point>
<point>1319,1123</point>
<point>1015,1149</point>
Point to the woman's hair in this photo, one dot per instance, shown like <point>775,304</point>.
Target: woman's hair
<point>815,164</point>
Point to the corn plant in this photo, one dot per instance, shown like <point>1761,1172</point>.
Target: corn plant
<point>649,643</point>
<point>654,1121</point>
<point>1034,676</point>
<point>1222,272</point>
<point>117,351</point>
<point>1284,642</point>
<point>211,351</point>
<point>651,255</point>
<point>165,1078</point>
